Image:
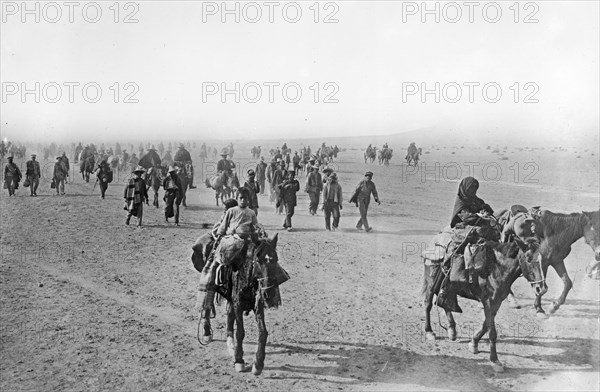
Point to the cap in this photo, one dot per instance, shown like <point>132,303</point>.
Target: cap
<point>370,174</point>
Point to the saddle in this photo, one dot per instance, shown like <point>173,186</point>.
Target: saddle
<point>520,222</point>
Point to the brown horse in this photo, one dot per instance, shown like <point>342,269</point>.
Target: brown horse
<point>559,232</point>
<point>251,285</point>
<point>503,264</point>
<point>86,167</point>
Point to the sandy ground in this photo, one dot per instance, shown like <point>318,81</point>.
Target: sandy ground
<point>88,303</point>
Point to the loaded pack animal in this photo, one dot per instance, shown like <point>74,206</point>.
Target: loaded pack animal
<point>225,186</point>
<point>558,233</point>
<point>496,266</point>
<point>412,154</point>
<point>249,282</point>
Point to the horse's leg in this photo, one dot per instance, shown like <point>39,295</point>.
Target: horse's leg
<point>451,325</point>
<point>478,335</point>
<point>230,326</point>
<point>428,301</point>
<point>263,334</point>
<point>240,365</point>
<point>217,197</point>
<point>537,303</point>
<point>567,285</point>
<point>155,198</point>
<point>490,314</point>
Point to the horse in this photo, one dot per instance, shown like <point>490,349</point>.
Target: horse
<point>412,154</point>
<point>154,177</point>
<point>384,156</point>
<point>503,264</point>
<point>86,167</point>
<point>225,186</point>
<point>559,232</point>
<point>370,154</point>
<point>252,284</point>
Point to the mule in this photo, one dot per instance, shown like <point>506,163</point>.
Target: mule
<point>504,263</point>
<point>559,232</point>
<point>251,286</point>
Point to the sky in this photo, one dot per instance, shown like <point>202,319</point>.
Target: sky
<point>363,73</point>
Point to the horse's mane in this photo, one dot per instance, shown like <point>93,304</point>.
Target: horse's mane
<point>567,227</point>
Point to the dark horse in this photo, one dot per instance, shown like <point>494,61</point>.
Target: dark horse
<point>154,178</point>
<point>86,167</point>
<point>559,232</point>
<point>252,285</point>
<point>503,264</point>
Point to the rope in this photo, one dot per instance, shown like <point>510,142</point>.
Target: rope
<point>198,333</point>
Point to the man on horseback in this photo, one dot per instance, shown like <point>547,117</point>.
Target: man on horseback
<point>225,166</point>
<point>239,220</point>
<point>182,158</point>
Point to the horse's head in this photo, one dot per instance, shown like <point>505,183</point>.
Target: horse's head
<point>267,270</point>
<point>526,256</point>
<point>591,231</point>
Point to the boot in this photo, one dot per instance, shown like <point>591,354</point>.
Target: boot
<point>448,301</point>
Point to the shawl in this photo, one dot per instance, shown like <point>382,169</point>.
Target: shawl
<point>135,193</point>
<point>466,199</point>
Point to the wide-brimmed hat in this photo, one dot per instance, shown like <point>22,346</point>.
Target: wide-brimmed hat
<point>251,172</point>
<point>181,145</point>
<point>33,155</point>
<point>139,169</point>
<point>224,153</point>
<point>328,170</point>
<point>59,157</point>
<point>172,169</point>
<point>370,174</point>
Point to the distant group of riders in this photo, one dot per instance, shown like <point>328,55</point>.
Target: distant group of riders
<point>384,154</point>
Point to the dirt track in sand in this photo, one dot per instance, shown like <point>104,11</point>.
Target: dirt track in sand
<point>91,304</point>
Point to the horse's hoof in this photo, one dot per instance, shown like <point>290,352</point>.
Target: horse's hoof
<point>554,307</point>
<point>255,371</point>
<point>541,315</point>
<point>452,334</point>
<point>242,367</point>
<point>430,336</point>
<point>473,347</point>
<point>230,346</point>
<point>498,367</point>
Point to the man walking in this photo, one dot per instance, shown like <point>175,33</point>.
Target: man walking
<point>314,186</point>
<point>362,198</point>
<point>33,174</point>
<point>136,193</point>
<point>332,202</point>
<point>287,197</point>
<point>253,191</point>
<point>60,175</point>
<point>102,177</point>
<point>278,178</point>
<point>173,195</point>
<point>12,176</point>
<point>296,163</point>
<point>261,171</point>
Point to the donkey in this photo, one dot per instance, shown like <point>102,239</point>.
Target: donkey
<point>502,265</point>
